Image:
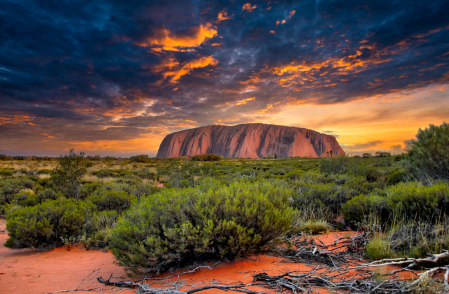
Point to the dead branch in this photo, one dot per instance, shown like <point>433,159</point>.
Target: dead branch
<point>143,289</point>
<point>78,289</point>
<point>411,262</point>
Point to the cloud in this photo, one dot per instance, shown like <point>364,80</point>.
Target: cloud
<point>223,15</point>
<point>248,7</point>
<point>173,69</point>
<point>362,146</point>
<point>174,42</point>
<point>396,148</point>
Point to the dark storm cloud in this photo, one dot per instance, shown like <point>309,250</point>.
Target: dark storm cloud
<point>119,69</point>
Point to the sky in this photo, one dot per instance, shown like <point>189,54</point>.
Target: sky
<point>115,77</point>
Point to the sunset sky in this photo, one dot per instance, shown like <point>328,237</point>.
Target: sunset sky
<point>115,77</point>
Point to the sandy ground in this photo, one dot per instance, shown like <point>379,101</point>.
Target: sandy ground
<point>29,271</point>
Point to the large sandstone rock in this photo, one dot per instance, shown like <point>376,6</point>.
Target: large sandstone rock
<point>249,141</point>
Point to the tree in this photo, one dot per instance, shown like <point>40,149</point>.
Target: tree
<point>68,173</point>
<point>429,153</point>
<point>367,155</point>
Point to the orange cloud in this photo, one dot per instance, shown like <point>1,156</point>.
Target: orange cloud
<point>238,102</point>
<point>244,101</point>
<point>269,106</point>
<point>173,42</point>
<point>48,136</point>
<point>223,15</point>
<point>292,13</point>
<point>167,63</point>
<point>176,71</point>
<point>16,119</point>
<point>305,74</point>
<point>248,7</point>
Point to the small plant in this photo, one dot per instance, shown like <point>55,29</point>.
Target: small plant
<point>85,241</point>
<point>313,227</point>
<point>378,248</point>
<point>69,242</point>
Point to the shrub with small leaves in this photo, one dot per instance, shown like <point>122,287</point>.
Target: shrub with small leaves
<point>178,227</point>
<point>44,224</point>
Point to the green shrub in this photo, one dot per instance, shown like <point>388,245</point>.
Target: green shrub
<point>359,208</point>
<point>4,157</point>
<point>374,174</point>
<point>178,227</point>
<point>88,188</point>
<point>45,223</point>
<point>100,227</point>
<point>417,202</point>
<point>413,240</point>
<point>335,165</point>
<point>26,198</point>
<point>48,194</point>
<point>402,202</point>
<point>44,172</point>
<point>429,153</point>
<point>10,187</point>
<point>104,174</point>
<point>144,189</point>
<point>206,157</point>
<point>319,196</point>
<point>140,158</point>
<point>397,177</point>
<point>68,173</point>
<point>6,172</point>
<point>111,200</point>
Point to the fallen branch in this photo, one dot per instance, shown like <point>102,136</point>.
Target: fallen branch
<point>412,262</point>
<point>78,289</point>
<point>144,289</point>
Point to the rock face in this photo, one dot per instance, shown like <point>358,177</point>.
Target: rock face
<point>249,141</point>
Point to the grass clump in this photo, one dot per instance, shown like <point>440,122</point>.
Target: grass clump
<point>313,227</point>
<point>378,248</point>
<point>179,227</point>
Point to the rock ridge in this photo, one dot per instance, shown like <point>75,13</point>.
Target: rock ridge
<point>254,140</point>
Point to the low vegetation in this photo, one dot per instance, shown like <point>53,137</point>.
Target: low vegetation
<point>216,208</point>
<point>181,227</point>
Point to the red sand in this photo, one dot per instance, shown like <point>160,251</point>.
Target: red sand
<point>28,271</point>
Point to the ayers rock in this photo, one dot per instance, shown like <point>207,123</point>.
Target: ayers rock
<point>249,141</point>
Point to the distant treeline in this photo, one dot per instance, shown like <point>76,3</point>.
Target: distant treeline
<point>143,158</point>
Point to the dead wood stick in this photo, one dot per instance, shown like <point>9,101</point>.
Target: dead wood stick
<point>412,262</point>
<point>174,275</point>
<point>428,273</point>
<point>78,288</point>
